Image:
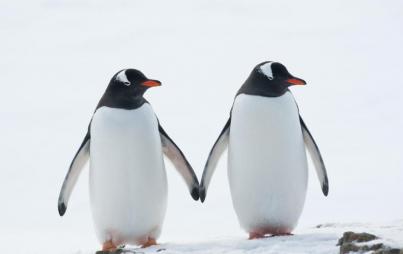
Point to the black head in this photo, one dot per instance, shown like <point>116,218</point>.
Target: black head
<point>126,89</point>
<point>269,79</point>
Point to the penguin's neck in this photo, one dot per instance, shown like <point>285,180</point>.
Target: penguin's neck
<point>121,101</point>
<point>259,87</point>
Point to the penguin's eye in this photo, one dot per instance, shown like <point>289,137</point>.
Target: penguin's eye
<point>126,83</point>
<point>270,78</point>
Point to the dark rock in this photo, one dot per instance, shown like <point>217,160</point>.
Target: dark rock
<point>377,246</point>
<point>389,251</point>
<point>349,237</point>
<point>348,247</point>
<point>348,244</point>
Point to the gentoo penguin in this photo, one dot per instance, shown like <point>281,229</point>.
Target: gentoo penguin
<point>267,165</point>
<point>125,144</point>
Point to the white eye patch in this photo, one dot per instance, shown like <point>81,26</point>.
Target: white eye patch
<point>123,78</point>
<point>266,70</point>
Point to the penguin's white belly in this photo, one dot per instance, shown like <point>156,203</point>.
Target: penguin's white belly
<point>128,185</point>
<point>267,166</point>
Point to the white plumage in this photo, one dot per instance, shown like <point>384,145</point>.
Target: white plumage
<point>121,76</point>
<point>266,70</point>
<point>128,185</point>
<point>267,165</point>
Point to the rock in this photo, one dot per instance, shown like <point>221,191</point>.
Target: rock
<point>348,247</point>
<point>389,251</point>
<point>349,237</point>
<point>348,244</point>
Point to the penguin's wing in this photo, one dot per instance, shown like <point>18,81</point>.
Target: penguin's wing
<point>178,159</point>
<point>316,157</point>
<point>75,169</point>
<point>214,156</point>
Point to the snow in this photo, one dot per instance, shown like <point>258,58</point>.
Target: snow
<point>312,240</point>
<point>57,57</point>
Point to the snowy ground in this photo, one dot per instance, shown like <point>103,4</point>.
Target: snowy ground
<point>57,56</point>
<point>312,240</point>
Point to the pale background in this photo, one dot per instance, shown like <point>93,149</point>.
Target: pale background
<point>56,58</point>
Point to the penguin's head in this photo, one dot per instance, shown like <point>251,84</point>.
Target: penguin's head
<point>270,79</point>
<point>126,90</point>
<point>131,82</point>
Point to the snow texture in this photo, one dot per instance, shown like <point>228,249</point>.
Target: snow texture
<point>318,240</point>
<point>57,57</point>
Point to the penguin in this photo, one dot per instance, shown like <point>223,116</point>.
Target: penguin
<point>125,144</point>
<point>267,165</point>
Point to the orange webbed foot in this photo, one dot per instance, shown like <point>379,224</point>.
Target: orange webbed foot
<point>255,235</point>
<point>150,242</point>
<point>109,246</point>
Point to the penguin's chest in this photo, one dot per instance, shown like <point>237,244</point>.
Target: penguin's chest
<point>267,165</point>
<point>128,186</point>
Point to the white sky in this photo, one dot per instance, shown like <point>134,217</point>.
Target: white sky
<point>56,58</point>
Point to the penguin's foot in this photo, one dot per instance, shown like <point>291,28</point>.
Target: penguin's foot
<point>272,233</point>
<point>150,242</point>
<point>256,235</point>
<point>109,246</point>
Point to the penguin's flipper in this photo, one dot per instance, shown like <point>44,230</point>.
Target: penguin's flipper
<point>316,157</point>
<point>75,169</point>
<point>178,159</point>
<point>214,156</point>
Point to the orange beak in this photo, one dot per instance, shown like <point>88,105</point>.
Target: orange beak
<point>151,83</point>
<point>296,81</point>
